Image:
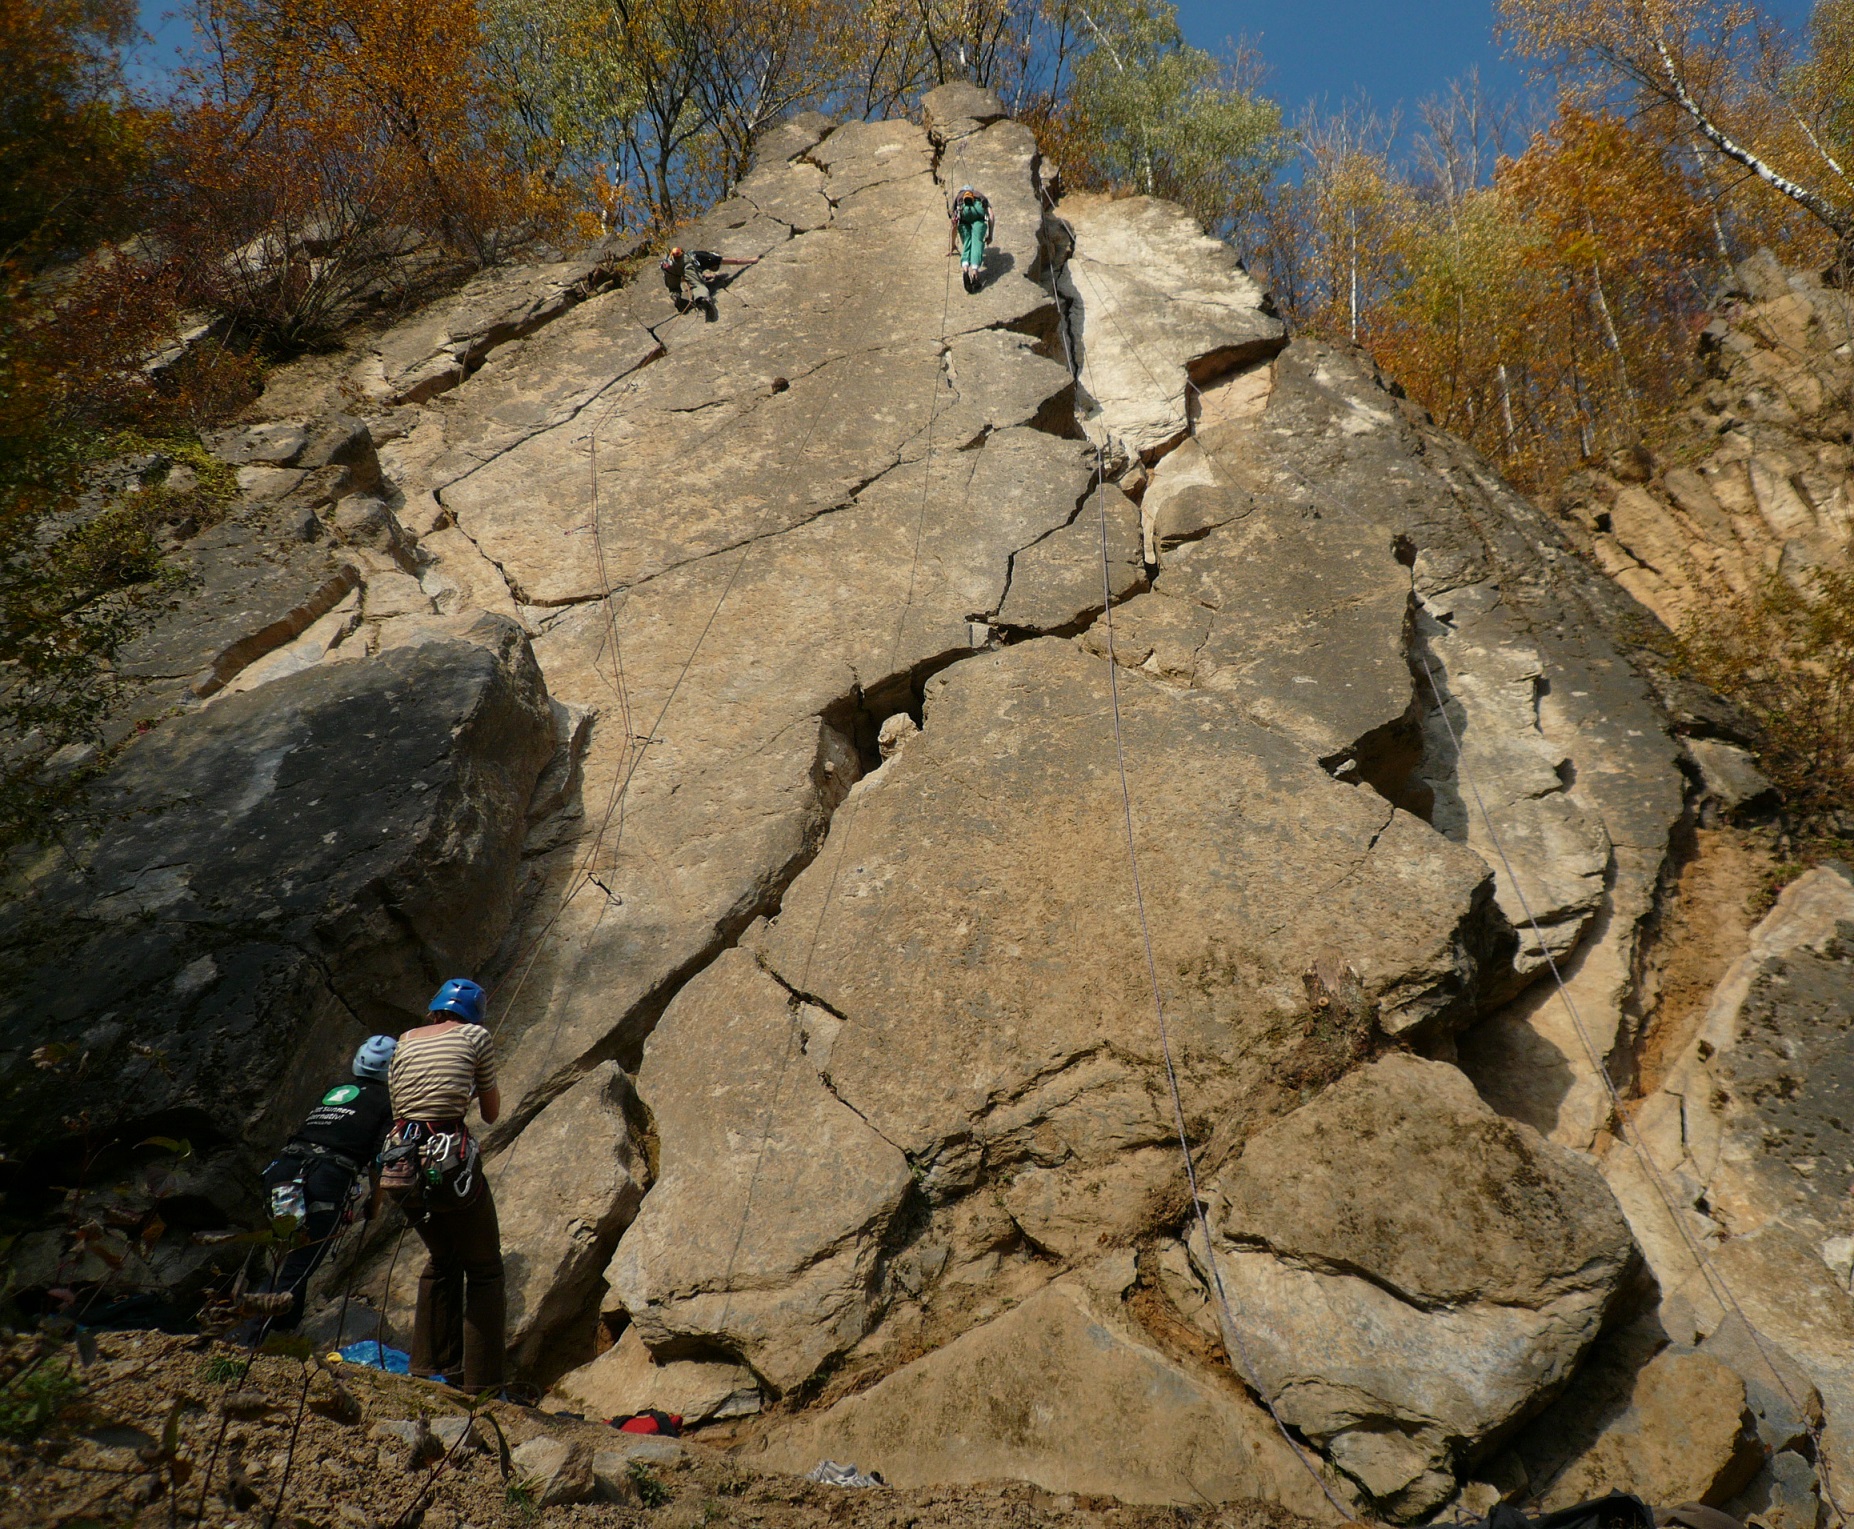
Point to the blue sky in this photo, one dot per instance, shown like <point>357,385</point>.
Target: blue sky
<point>1396,51</point>
<point>1330,50</point>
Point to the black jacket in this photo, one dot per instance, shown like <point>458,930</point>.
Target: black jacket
<point>352,1120</point>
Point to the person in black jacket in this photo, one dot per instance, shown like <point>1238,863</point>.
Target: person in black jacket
<point>691,275</point>
<point>314,1178</point>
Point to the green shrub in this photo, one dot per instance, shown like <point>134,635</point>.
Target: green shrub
<point>1789,660</point>
<point>31,1402</point>
<point>223,1369</point>
<point>650,1492</point>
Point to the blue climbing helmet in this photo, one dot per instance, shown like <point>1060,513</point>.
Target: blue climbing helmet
<point>372,1058</point>
<point>462,997</point>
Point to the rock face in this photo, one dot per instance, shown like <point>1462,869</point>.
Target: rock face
<point>1410,1273</point>
<point>764,702</point>
<point>1144,342</point>
<point>1750,1133</point>
<point>625,1380</point>
<point>272,877</point>
<point>1772,494</point>
<point>952,991</point>
<point>788,1288</point>
<point>1065,1392</point>
<point>564,1192</point>
<point>1685,1434</point>
<point>432,353</point>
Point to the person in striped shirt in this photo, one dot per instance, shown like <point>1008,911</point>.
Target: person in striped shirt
<point>462,1308</point>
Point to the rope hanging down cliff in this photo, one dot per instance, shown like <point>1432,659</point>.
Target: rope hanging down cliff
<point>849,817</point>
<point>635,750</point>
<point>1624,1122</point>
<point>1234,1347</point>
<point>631,757</point>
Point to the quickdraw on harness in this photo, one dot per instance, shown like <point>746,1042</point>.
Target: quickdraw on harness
<point>431,1165</point>
<point>289,1199</point>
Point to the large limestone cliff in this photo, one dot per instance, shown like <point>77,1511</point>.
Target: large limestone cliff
<point>745,694</point>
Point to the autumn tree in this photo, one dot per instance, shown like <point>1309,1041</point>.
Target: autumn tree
<point>70,139</point>
<point>1143,110</point>
<point>81,321</point>
<point>1331,244</point>
<point>321,145</point>
<point>1567,331</point>
<point>565,91</point>
<point>1726,72</point>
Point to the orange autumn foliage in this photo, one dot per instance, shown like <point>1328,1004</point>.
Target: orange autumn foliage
<point>1549,317</point>
<point>328,148</point>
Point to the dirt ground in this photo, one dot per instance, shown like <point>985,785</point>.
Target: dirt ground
<point>101,1463</point>
<point>1708,928</point>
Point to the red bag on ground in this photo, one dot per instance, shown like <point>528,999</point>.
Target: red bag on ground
<point>651,1421</point>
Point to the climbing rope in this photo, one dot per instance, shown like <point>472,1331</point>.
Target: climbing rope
<point>1627,1130</point>
<point>584,874</point>
<point>849,817</point>
<point>1235,1347</point>
<point>622,782</point>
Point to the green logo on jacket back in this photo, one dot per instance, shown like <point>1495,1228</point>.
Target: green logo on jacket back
<point>341,1093</point>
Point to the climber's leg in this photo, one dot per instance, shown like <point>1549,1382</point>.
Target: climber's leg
<point>437,1322</point>
<point>972,256</point>
<point>485,1313</point>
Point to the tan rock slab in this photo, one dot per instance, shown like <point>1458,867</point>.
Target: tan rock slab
<point>764,1227</point>
<point>625,1379</point>
<point>1062,1393</point>
<point>1180,303</point>
<point>1687,1436</point>
<point>565,1190</point>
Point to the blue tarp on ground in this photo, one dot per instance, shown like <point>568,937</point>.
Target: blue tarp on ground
<point>376,1356</point>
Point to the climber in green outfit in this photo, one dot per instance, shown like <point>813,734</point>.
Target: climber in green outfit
<point>971,232</point>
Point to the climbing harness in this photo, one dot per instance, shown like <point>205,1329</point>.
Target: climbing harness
<point>430,1167</point>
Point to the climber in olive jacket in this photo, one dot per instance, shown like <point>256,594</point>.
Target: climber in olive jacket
<point>696,272</point>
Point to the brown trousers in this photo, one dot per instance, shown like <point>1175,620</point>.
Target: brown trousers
<point>462,1310</point>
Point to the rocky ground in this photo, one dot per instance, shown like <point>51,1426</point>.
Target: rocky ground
<point>745,696</point>
<point>282,1442</point>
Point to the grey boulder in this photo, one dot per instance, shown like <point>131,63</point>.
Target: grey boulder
<point>1412,1274</point>
<point>267,880</point>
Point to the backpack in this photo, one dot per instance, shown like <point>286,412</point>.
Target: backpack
<point>651,1421</point>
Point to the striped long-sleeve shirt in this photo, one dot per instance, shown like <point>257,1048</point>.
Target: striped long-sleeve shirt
<point>432,1077</point>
